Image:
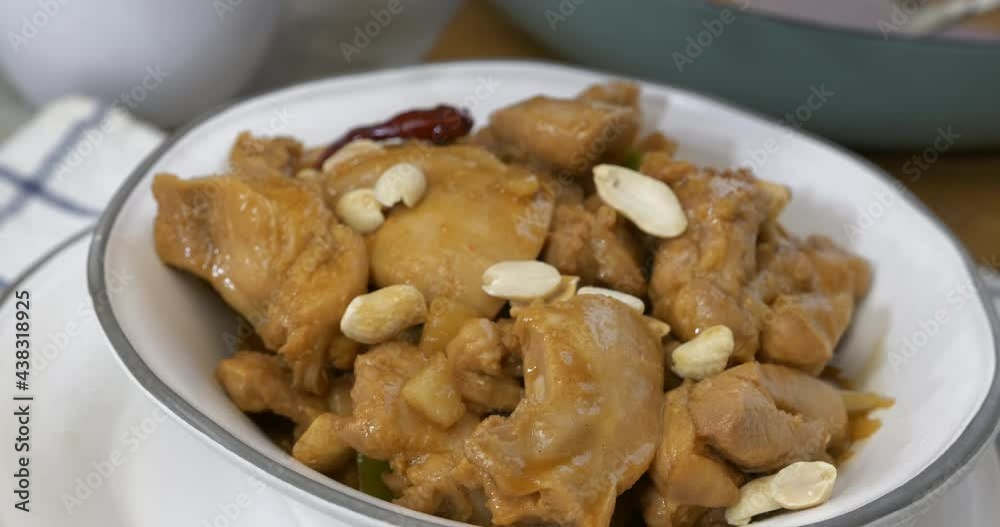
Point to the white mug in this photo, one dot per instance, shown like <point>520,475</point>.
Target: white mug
<point>165,61</point>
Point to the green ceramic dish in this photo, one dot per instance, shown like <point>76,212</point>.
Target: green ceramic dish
<point>856,87</point>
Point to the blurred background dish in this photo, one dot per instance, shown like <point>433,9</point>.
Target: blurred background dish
<point>325,37</point>
<point>947,19</point>
<point>169,62</point>
<point>174,60</point>
<point>886,90</point>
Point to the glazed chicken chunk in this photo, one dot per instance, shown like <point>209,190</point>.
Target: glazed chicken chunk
<point>590,240</point>
<point>699,278</point>
<point>259,382</point>
<point>384,426</point>
<point>486,360</point>
<point>592,371</point>
<point>568,136</point>
<point>810,288</point>
<point>763,417</point>
<point>252,156</point>
<point>788,299</point>
<point>273,251</point>
<point>689,478</point>
<point>476,211</point>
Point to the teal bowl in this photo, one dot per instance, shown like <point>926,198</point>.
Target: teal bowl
<point>868,90</point>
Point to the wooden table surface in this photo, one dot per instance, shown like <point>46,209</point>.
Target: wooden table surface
<point>963,189</point>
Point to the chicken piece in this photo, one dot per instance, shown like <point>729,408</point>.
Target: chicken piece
<point>699,278</point>
<point>567,135</point>
<point>620,93</point>
<point>811,288</point>
<point>802,331</point>
<point>434,393</point>
<point>311,157</point>
<point>343,351</point>
<point>790,299</point>
<point>483,356</point>
<point>764,417</point>
<point>799,394</point>
<point>589,425</point>
<point>688,477</point>
<point>445,317</point>
<point>839,271</point>
<point>259,382</point>
<point>713,518</point>
<point>319,447</point>
<point>485,139</point>
<point>443,484</point>
<point>476,212</point>
<point>384,426</point>
<point>252,156</point>
<point>658,512</point>
<point>338,400</point>
<point>592,241</point>
<point>656,142</point>
<point>273,251</point>
<point>783,268</point>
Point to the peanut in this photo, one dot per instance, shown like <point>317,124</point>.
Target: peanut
<point>381,315</point>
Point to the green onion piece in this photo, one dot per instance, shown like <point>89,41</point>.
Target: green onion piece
<point>633,159</point>
<point>370,477</point>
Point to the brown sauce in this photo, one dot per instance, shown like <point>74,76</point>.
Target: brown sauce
<point>860,425</point>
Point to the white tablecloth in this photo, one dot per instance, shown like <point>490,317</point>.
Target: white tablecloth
<point>58,171</point>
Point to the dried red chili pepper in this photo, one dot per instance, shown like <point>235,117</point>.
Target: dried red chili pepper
<point>441,124</point>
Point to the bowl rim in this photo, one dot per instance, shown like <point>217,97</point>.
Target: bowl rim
<point>943,471</point>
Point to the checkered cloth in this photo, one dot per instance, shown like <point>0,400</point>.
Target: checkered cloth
<point>59,171</point>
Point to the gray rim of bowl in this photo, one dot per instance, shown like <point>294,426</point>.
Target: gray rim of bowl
<point>970,443</point>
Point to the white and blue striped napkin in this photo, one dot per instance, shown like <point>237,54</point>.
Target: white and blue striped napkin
<point>58,171</point>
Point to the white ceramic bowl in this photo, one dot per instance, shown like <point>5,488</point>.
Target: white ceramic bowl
<point>923,335</point>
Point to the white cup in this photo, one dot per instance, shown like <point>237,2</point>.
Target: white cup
<point>165,61</point>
